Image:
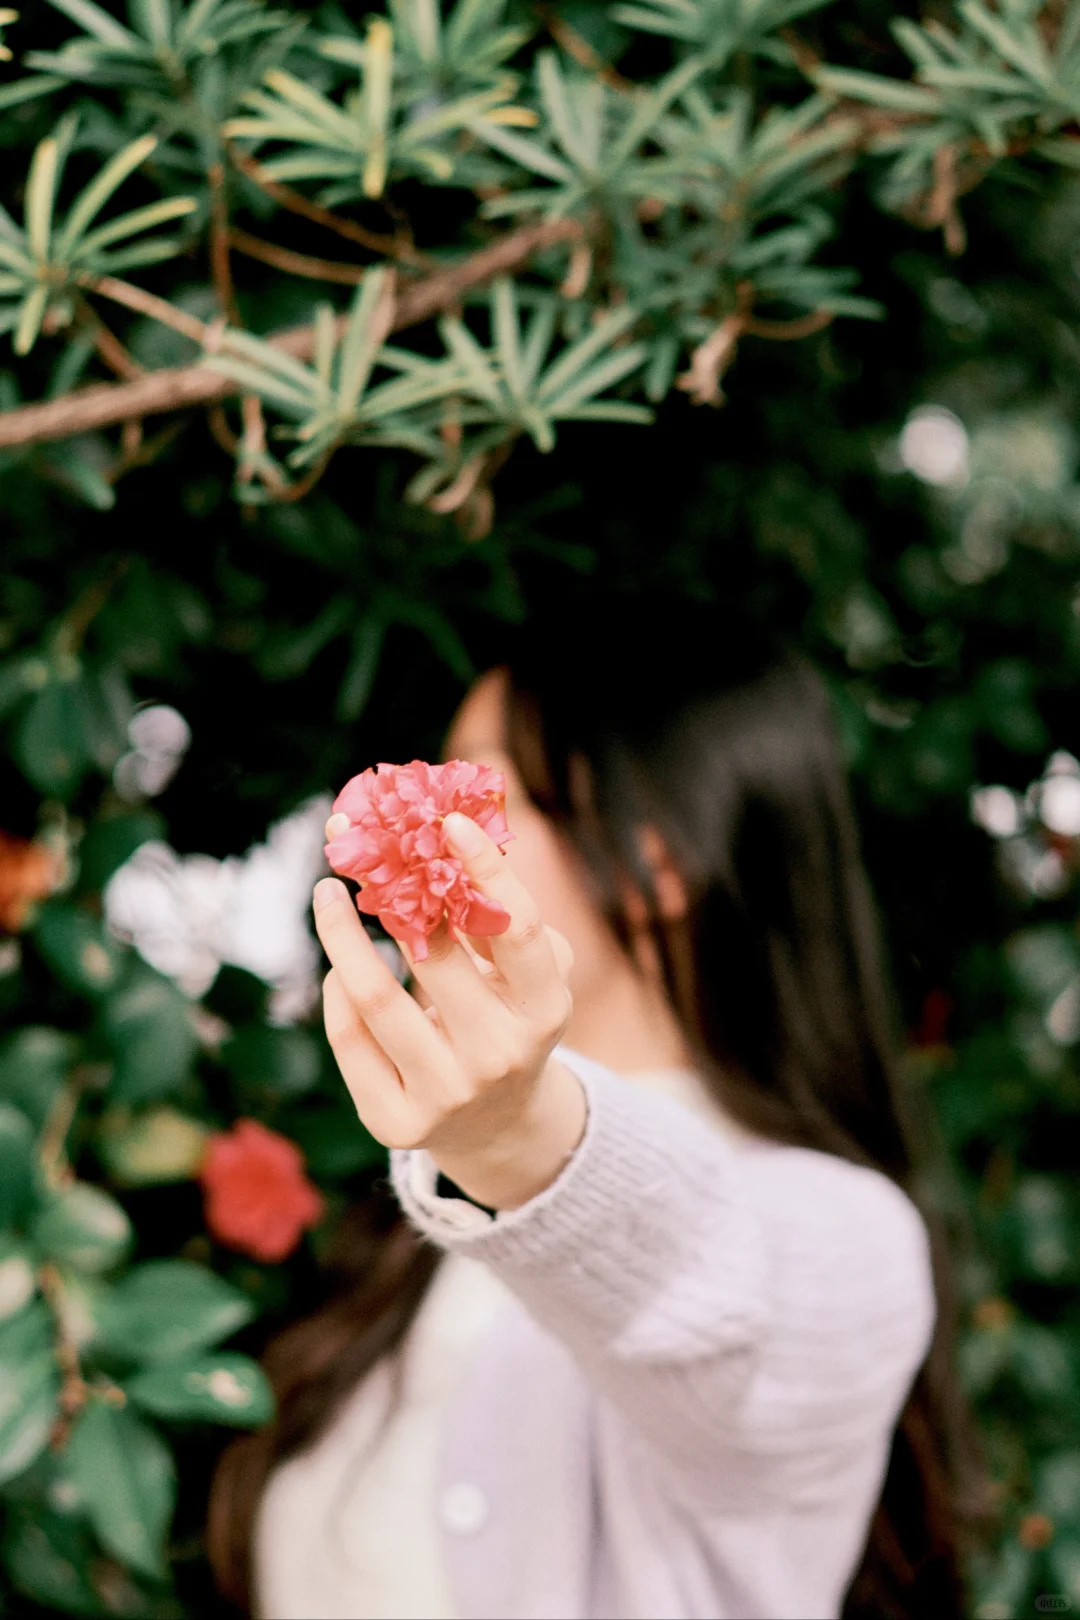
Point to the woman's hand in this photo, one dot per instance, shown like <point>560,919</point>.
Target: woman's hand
<point>472,1078</point>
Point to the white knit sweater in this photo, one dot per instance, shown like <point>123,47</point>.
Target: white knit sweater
<point>685,1411</point>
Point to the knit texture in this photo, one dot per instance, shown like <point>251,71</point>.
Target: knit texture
<point>747,1319</point>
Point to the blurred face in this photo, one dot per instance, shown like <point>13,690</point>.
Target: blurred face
<point>545,863</point>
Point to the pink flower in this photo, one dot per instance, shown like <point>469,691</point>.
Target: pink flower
<point>258,1199</point>
<point>395,847</point>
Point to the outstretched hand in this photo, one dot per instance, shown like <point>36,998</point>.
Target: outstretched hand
<point>471,1078</point>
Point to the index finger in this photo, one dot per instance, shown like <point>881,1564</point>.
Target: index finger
<point>523,954</point>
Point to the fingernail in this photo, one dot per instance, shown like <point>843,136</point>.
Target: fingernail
<point>464,834</point>
<point>327,890</point>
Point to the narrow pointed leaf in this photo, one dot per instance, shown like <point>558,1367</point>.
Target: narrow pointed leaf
<point>101,188</point>
<point>40,194</point>
<point>30,318</point>
<point>140,219</point>
<point>99,23</point>
<point>583,352</point>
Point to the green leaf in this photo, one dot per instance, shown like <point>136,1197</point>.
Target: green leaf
<point>367,643</point>
<point>16,1164</point>
<point>82,1227</point>
<point>148,1026</point>
<point>219,1388</point>
<point>1045,960</point>
<point>51,1558</point>
<point>170,1308</point>
<point>33,1063</point>
<point>49,746</point>
<point>112,840</point>
<point>77,948</point>
<point>18,1282</point>
<point>28,89</point>
<point>160,1145</point>
<point>29,1384</point>
<point>1063,1557</point>
<point>285,1061</point>
<point>126,1475</point>
<point>40,193</point>
<point>97,193</point>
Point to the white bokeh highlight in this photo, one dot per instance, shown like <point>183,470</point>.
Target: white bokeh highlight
<point>998,810</point>
<point>159,737</point>
<point>934,445</point>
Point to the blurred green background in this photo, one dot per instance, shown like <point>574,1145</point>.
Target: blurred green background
<point>189,663</point>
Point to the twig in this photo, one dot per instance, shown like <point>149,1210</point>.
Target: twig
<point>131,438</point>
<point>579,271</point>
<point>296,264</point>
<point>252,452</point>
<point>789,331</point>
<point>223,433</point>
<point>144,303</point>
<point>112,351</point>
<point>220,268</point>
<point>73,1386</point>
<point>178,387</point>
<point>941,206</point>
<point>390,247</point>
<point>577,46</point>
<point>141,452</point>
<point>73,627</point>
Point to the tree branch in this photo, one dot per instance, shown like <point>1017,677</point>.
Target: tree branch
<point>296,264</point>
<point>391,247</point>
<point>178,387</point>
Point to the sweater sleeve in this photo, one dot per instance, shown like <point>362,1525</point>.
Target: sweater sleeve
<point>770,1301</point>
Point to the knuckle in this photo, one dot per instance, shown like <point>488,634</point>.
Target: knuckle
<point>487,865</point>
<point>529,928</point>
<point>505,1057</point>
<point>376,1000</point>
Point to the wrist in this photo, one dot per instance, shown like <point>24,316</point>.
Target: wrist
<point>518,1160</point>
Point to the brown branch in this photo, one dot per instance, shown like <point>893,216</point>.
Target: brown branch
<point>716,353</point>
<point>578,47</point>
<point>297,264</point>
<point>222,432</point>
<point>112,351</point>
<point>941,206</point>
<point>178,387</point>
<point>70,636</point>
<point>73,1387</point>
<point>144,303</point>
<point>141,452</point>
<point>788,331</point>
<point>220,268</point>
<point>390,247</point>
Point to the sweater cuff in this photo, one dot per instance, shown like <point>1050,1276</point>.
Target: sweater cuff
<point>650,1195</point>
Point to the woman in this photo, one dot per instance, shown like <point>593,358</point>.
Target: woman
<point>674,1359</point>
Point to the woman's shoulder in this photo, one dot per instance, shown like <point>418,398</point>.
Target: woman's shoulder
<point>850,1251</point>
<point>826,1190</point>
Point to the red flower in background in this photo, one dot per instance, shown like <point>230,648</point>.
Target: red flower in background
<point>395,848</point>
<point>933,1026</point>
<point>28,872</point>
<point>257,1197</point>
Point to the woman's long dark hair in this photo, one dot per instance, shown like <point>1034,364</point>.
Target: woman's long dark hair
<point>724,745</point>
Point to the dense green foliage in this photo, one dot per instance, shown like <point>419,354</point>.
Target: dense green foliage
<point>309,568</point>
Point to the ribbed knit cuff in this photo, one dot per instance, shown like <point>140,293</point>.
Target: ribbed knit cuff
<point>651,1194</point>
